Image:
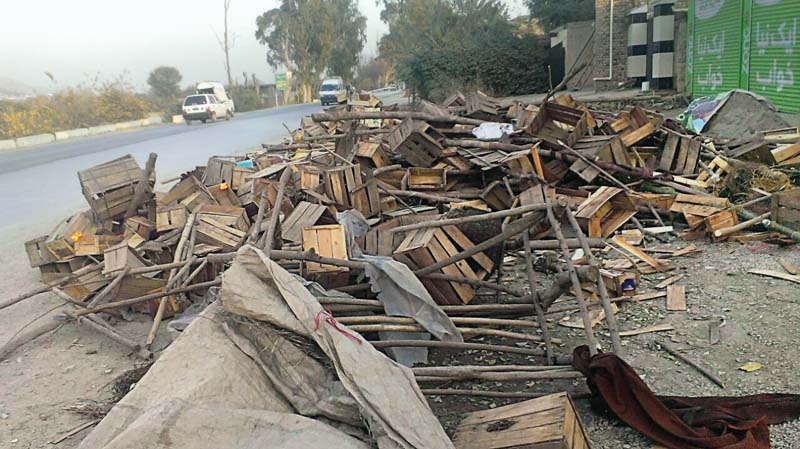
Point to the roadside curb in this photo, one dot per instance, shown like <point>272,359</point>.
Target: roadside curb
<point>41,139</point>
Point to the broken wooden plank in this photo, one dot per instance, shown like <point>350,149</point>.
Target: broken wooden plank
<point>676,298</point>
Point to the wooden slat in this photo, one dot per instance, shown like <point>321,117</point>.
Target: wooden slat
<point>676,298</point>
<point>667,156</point>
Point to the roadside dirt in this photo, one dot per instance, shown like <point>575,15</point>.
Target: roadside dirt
<point>761,319</point>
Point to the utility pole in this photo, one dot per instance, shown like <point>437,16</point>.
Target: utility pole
<point>226,45</point>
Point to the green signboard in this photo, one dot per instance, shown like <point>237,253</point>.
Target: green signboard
<point>280,81</point>
<point>715,46</point>
<point>775,52</point>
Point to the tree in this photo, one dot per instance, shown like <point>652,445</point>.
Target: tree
<point>552,14</point>
<point>164,82</point>
<point>376,73</point>
<point>299,32</point>
<point>349,27</point>
<point>226,42</point>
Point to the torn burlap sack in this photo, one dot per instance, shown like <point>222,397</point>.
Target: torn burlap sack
<point>682,422</point>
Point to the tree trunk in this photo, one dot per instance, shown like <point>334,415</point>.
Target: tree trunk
<point>227,46</point>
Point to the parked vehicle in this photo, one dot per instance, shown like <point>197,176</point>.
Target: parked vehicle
<point>204,107</point>
<point>332,91</point>
<point>218,90</point>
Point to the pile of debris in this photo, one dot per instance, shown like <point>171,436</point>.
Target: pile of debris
<point>399,222</point>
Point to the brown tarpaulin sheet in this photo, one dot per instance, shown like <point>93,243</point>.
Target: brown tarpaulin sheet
<point>683,422</point>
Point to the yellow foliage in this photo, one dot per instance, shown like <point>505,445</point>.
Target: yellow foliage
<point>70,109</point>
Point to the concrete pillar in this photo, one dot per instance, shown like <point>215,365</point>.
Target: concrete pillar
<point>614,42</point>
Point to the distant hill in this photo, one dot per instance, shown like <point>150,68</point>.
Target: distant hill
<point>11,88</point>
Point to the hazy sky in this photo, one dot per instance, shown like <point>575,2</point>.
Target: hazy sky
<point>76,40</point>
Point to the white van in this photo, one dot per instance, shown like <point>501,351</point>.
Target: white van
<point>332,91</point>
<point>218,90</point>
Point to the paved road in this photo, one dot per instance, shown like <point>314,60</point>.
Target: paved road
<point>40,186</point>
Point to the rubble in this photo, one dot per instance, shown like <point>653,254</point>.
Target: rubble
<point>399,223</point>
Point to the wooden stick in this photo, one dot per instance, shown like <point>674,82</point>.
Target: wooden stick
<point>194,273</point>
<point>21,339</point>
<point>576,283</point>
<point>773,225</point>
<point>383,319</point>
<point>149,297</point>
<point>511,230</point>
<point>611,319</point>
<point>47,287</point>
<point>475,143</point>
<point>470,218</point>
<point>112,334</point>
<point>444,370</point>
<point>363,328</point>
<point>423,196</point>
<point>474,282</point>
<point>541,245</point>
<point>262,206</point>
<point>493,394</point>
<point>109,288</point>
<point>143,187</point>
<point>536,301</point>
<point>276,210</point>
<point>454,345</point>
<point>722,232</point>
<point>510,376</point>
<point>76,430</point>
<point>400,115</point>
<point>692,363</point>
<point>162,305</point>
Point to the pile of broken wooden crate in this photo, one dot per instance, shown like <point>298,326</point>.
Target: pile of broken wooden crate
<point>580,193</point>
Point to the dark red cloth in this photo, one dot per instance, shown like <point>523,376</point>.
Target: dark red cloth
<point>682,422</point>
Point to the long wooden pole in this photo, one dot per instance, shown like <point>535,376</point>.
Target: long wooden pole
<point>276,210</point>
<point>464,330</point>
<point>143,187</point>
<point>109,288</point>
<point>47,287</point>
<point>492,394</point>
<point>455,345</point>
<point>150,297</point>
<point>511,376</point>
<point>262,206</point>
<point>537,305</point>
<point>722,232</point>
<point>692,363</point>
<point>611,319</point>
<point>470,218</point>
<point>576,283</point>
<point>400,115</point>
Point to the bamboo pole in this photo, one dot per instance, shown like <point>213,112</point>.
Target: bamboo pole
<point>475,143</point>
<point>541,245</point>
<point>276,210</point>
<point>162,305</point>
<point>773,226</point>
<point>424,196</point>
<point>444,370</point>
<point>93,324</point>
<point>611,319</point>
<point>194,273</point>
<point>576,283</point>
<point>470,218</point>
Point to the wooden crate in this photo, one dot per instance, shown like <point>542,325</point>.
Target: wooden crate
<point>170,217</point>
<point>719,220</point>
<point>95,245</point>
<point>680,155</point>
<point>497,196</point>
<point>785,208</point>
<point>38,254</point>
<point>426,178</point>
<point>787,154</point>
<point>218,170</point>
<point>327,241</point>
<point>605,211</point>
<point>60,249</point>
<point>224,195</point>
<point>371,155</point>
<point>241,176</point>
<point>549,422</point>
<point>417,141</point>
<point>621,282</point>
<point>140,226</point>
<point>555,122</point>
<point>305,215</point>
<point>109,187</point>
<point>187,186</point>
<point>424,247</point>
<point>345,186</point>
<point>216,233</point>
<point>755,151</point>
<point>120,256</point>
